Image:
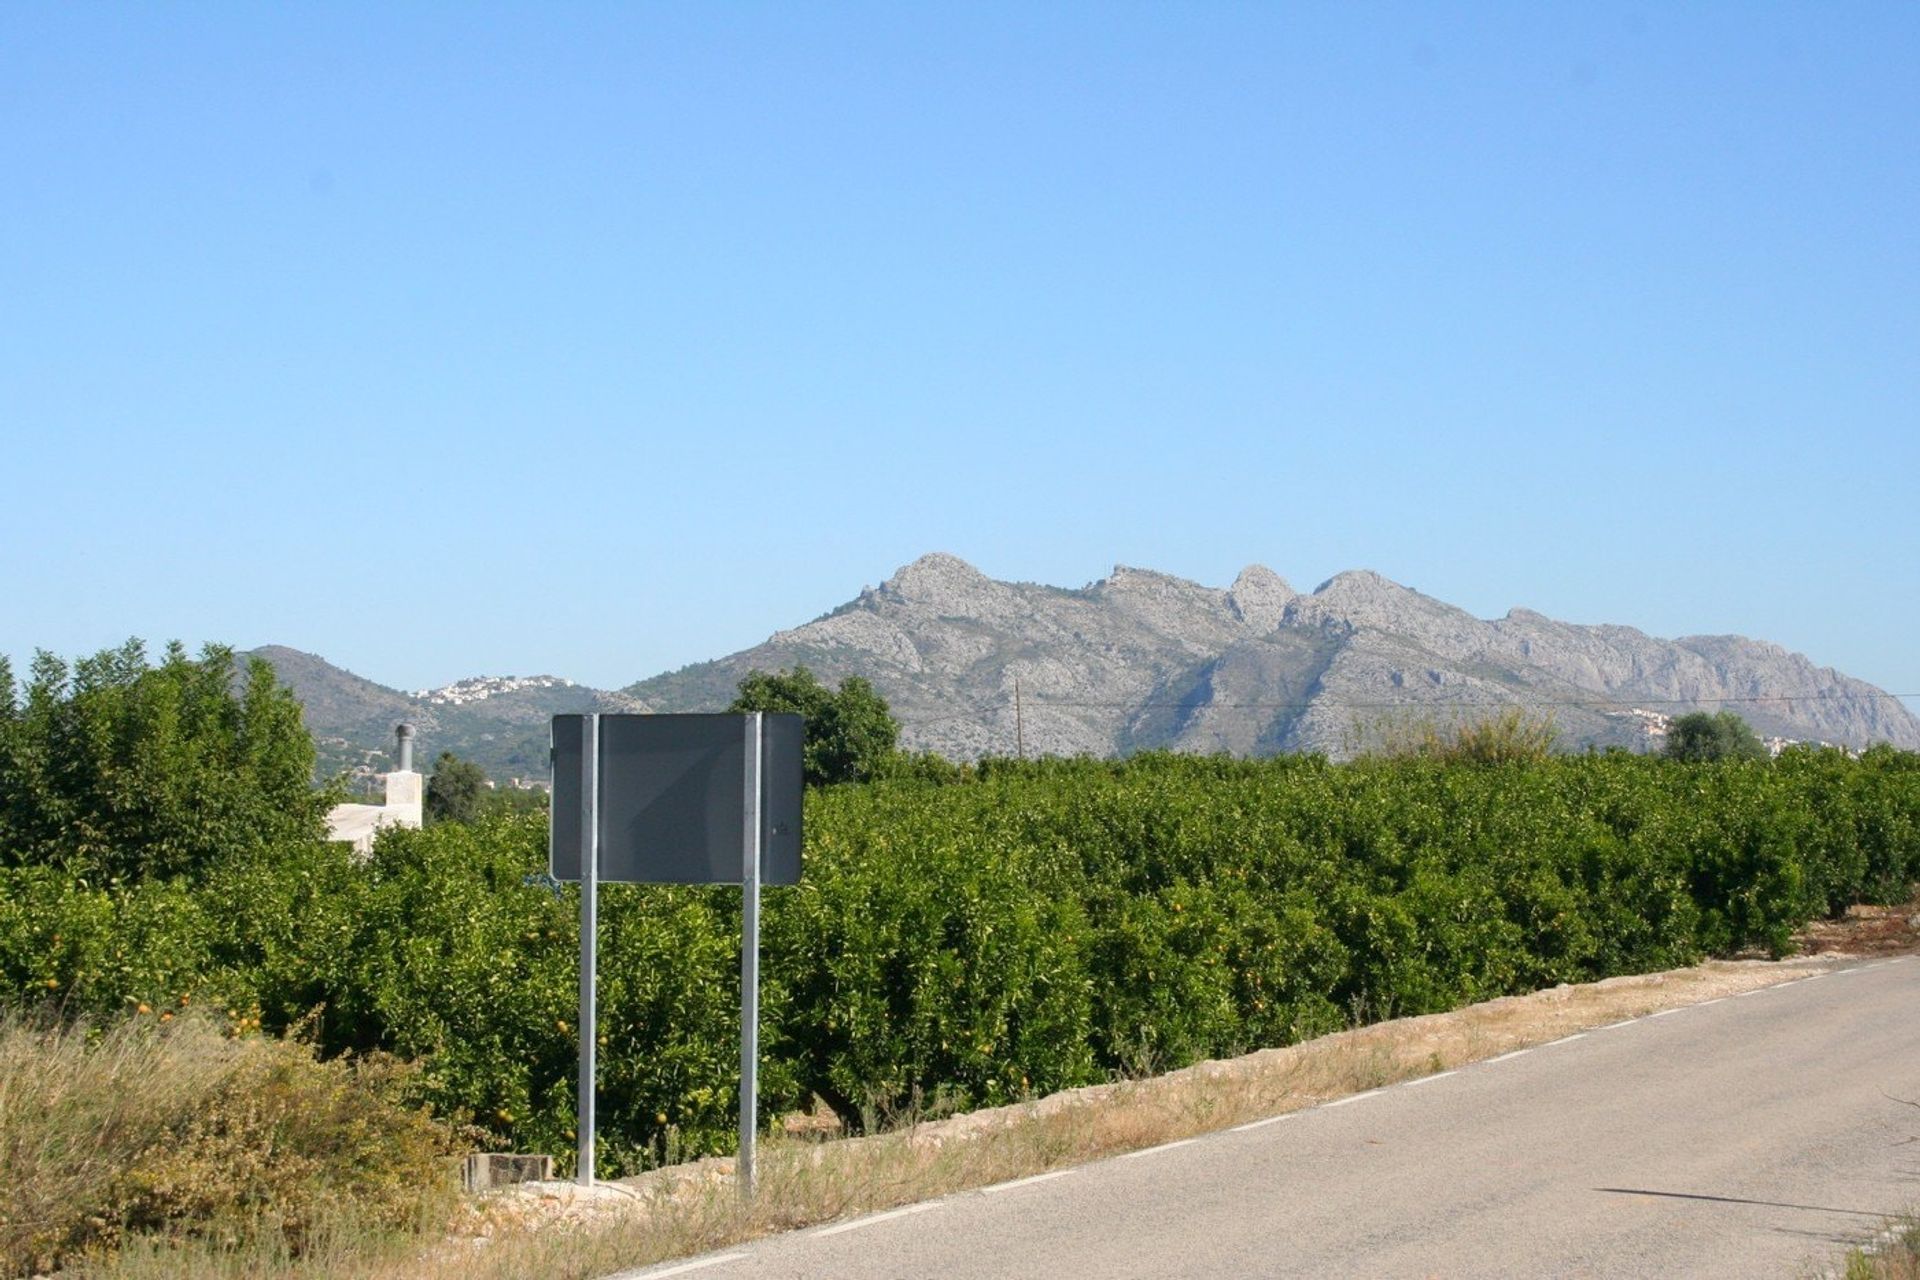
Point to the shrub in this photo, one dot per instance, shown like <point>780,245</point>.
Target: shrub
<point>1513,735</point>
<point>183,1127</point>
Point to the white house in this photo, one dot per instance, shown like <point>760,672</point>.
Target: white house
<point>358,824</point>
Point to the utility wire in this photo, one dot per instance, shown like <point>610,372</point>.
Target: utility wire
<point>1588,704</point>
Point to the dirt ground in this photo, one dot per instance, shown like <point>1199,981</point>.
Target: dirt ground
<point>1865,931</point>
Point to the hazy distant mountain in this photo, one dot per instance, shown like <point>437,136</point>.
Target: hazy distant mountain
<point>1143,660</point>
<point>499,722</point>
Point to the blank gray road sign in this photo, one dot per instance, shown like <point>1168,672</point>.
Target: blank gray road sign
<point>672,790</point>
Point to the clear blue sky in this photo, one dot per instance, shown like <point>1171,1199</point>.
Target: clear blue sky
<point>505,339</point>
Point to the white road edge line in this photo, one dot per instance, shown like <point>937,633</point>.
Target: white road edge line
<point>1615,1026</point>
<point>874,1219</point>
<point>1704,1003</point>
<point>1438,1075</point>
<point>1261,1124</point>
<point>684,1267</point>
<point>1341,1102</point>
<point>998,1187</point>
<point>1503,1057</point>
<point>1154,1151</point>
<point>1578,1035</point>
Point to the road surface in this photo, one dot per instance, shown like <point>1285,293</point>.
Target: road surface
<point>1753,1136</point>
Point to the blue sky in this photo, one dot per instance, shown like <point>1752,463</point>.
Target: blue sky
<point>445,340</point>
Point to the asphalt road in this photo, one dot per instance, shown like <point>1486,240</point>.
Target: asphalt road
<point>1753,1136</point>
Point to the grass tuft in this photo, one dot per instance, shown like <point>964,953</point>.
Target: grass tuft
<point>1513,735</point>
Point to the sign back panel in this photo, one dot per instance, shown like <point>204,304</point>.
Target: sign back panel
<point>672,792</point>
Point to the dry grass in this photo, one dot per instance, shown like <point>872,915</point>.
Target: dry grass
<point>178,1134</point>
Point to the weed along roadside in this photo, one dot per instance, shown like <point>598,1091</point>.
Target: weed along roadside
<point>1895,1255</point>
<point>151,1133</point>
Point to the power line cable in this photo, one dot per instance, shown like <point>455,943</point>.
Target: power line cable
<point>1588,704</point>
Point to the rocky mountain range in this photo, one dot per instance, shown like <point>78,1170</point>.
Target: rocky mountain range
<point>1141,660</point>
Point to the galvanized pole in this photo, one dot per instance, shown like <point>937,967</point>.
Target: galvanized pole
<point>750,964</point>
<point>589,928</point>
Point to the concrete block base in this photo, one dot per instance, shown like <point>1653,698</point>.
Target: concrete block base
<point>486,1170</point>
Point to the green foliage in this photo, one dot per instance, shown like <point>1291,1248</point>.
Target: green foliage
<point>1699,735</point>
<point>456,790</point>
<point>975,936</point>
<point>925,766</point>
<point>118,769</point>
<point>1509,737</point>
<point>507,802</point>
<point>851,736</point>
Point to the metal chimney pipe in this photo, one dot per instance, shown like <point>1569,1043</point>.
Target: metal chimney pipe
<point>404,733</point>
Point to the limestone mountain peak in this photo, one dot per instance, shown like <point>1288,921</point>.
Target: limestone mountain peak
<point>936,578</point>
<point>1259,597</point>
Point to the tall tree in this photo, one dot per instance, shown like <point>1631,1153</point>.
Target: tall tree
<point>1703,736</point>
<point>851,736</point>
<point>118,768</point>
<point>456,791</point>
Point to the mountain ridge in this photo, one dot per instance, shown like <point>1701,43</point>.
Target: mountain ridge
<point>1142,660</point>
<point>1096,665</point>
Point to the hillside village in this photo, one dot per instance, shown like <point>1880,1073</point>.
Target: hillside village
<point>1654,725</point>
<point>479,688</point>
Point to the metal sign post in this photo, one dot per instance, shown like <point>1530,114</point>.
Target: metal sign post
<point>750,961</point>
<point>589,935</point>
<point>655,799</point>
